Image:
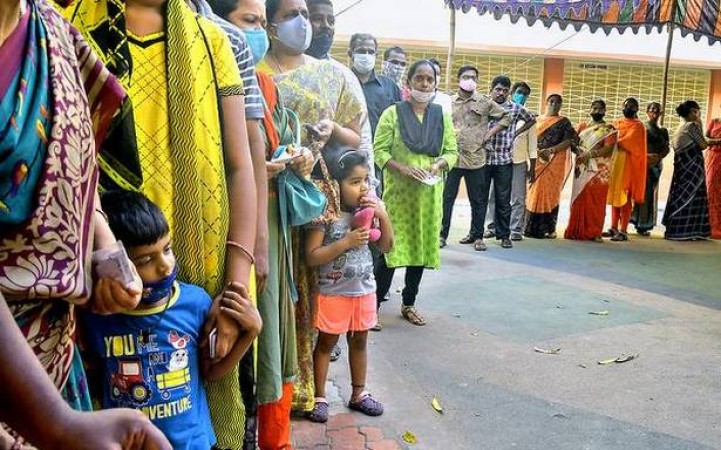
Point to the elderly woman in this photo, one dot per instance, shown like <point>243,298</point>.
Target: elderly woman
<point>686,216</point>
<point>555,139</point>
<point>414,144</point>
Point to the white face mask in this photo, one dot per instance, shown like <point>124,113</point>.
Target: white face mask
<point>296,33</point>
<point>363,64</point>
<point>422,97</point>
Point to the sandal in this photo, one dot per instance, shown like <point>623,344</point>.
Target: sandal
<point>335,353</point>
<point>609,233</point>
<point>467,240</point>
<point>378,326</point>
<point>442,243</point>
<point>367,405</point>
<point>411,314</point>
<point>320,411</point>
<point>620,237</point>
<point>479,246</point>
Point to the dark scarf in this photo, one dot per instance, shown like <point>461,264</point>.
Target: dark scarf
<point>424,138</point>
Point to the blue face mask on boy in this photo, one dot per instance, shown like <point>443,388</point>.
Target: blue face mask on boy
<point>158,290</point>
<point>258,42</point>
<point>519,98</point>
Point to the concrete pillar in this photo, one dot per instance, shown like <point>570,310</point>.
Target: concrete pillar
<point>553,69</point>
<point>714,95</point>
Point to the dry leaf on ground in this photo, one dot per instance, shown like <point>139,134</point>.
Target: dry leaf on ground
<point>547,351</point>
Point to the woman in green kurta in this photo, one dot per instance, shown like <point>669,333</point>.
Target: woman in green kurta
<point>414,143</point>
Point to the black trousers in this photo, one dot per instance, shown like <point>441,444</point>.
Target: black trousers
<point>502,178</point>
<point>384,278</point>
<point>474,183</point>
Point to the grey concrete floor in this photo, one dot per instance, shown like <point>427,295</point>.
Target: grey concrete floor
<point>488,311</point>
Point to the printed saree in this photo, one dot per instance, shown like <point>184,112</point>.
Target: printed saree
<point>317,90</point>
<point>544,194</point>
<point>60,101</point>
<point>713,178</point>
<point>590,184</point>
<point>57,101</point>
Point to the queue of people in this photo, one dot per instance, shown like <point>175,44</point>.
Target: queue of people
<point>182,179</point>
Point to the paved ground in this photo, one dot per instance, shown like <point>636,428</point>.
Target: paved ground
<point>488,311</point>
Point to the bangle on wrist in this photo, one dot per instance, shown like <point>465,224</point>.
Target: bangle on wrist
<point>244,251</point>
<point>102,213</point>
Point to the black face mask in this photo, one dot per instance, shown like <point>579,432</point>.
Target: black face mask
<point>597,117</point>
<point>320,45</point>
<point>629,113</point>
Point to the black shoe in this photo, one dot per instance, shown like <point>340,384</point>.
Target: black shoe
<point>335,353</point>
<point>609,233</point>
<point>442,243</point>
<point>506,243</point>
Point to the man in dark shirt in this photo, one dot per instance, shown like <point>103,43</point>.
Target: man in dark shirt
<point>380,91</point>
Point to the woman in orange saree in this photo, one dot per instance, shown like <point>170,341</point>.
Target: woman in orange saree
<point>591,176</point>
<point>556,136</point>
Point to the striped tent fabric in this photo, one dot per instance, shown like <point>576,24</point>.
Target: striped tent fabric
<point>698,18</point>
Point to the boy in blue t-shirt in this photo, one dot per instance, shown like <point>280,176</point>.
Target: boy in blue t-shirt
<point>151,357</point>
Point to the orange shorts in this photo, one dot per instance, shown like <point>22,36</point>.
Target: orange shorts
<point>337,314</point>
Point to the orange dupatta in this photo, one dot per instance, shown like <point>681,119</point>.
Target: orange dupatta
<point>628,174</point>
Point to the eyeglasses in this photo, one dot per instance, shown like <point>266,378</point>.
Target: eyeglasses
<point>397,63</point>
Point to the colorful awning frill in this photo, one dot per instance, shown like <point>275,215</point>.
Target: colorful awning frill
<point>695,17</point>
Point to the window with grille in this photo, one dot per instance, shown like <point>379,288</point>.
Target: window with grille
<point>489,66</point>
<point>585,81</point>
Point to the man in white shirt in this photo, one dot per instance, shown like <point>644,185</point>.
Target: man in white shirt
<point>525,152</point>
<point>441,98</point>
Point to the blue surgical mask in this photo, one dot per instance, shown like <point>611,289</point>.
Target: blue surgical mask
<point>158,290</point>
<point>320,45</point>
<point>295,33</point>
<point>258,42</point>
<point>519,98</point>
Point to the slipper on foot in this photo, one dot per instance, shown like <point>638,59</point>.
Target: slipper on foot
<point>367,405</point>
<point>320,411</point>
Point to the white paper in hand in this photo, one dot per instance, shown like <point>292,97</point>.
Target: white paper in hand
<point>113,262</point>
<point>432,180</point>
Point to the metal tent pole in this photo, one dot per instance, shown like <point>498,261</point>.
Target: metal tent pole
<point>451,49</point>
<point>667,62</point>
